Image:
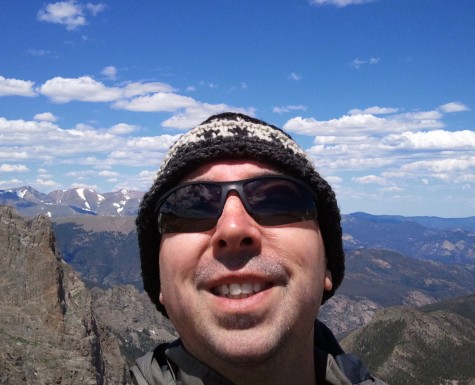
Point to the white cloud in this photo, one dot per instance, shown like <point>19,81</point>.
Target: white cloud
<point>48,144</point>
<point>282,109</point>
<point>365,124</point>
<point>46,183</point>
<point>45,117</point>
<point>110,72</point>
<point>11,183</point>
<point>339,3</point>
<point>13,168</point>
<point>68,13</point>
<point>122,128</point>
<point>294,76</point>
<point>433,140</point>
<point>375,110</point>
<point>392,189</point>
<point>199,112</point>
<point>85,185</point>
<point>334,180</point>
<point>357,63</point>
<point>15,87</point>
<point>162,142</point>
<point>137,88</point>
<point>108,174</point>
<point>85,88</point>
<point>369,179</point>
<point>442,166</point>
<point>394,150</point>
<point>95,8</point>
<point>453,107</point>
<point>157,102</point>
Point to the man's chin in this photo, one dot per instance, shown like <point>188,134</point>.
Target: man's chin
<point>246,347</point>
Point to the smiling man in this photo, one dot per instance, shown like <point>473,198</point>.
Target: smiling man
<point>240,243</point>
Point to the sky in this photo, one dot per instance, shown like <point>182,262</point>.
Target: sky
<point>380,93</point>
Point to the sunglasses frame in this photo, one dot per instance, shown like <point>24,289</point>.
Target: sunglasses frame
<point>238,187</point>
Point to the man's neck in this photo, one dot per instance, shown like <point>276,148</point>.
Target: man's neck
<point>298,373</point>
<point>291,365</point>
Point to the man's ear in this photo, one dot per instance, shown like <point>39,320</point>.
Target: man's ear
<point>328,280</point>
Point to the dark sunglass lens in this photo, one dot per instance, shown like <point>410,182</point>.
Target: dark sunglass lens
<point>191,208</point>
<point>278,201</point>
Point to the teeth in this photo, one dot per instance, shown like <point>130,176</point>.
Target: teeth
<point>239,291</point>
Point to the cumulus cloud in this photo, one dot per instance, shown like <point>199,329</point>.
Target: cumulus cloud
<point>199,112</point>
<point>365,123</point>
<point>15,87</point>
<point>13,168</point>
<point>159,101</point>
<point>453,107</point>
<point>122,128</point>
<point>392,150</point>
<point>91,152</point>
<point>339,3</point>
<point>45,117</point>
<point>11,183</point>
<point>369,179</point>
<point>110,72</point>
<point>87,89</point>
<point>433,140</point>
<point>442,167</point>
<point>109,174</point>
<point>71,14</point>
<point>135,96</point>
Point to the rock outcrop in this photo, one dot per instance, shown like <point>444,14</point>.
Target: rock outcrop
<point>48,333</point>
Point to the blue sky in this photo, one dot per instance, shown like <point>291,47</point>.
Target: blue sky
<point>380,93</point>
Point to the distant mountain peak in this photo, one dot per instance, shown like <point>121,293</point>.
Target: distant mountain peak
<point>72,202</point>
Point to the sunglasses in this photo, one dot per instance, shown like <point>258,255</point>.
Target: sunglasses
<point>270,200</point>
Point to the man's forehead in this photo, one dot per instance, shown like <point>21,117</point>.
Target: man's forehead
<point>230,170</point>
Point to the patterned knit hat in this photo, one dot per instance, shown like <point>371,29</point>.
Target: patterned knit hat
<point>235,136</point>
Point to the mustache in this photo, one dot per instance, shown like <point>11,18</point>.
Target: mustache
<point>266,266</point>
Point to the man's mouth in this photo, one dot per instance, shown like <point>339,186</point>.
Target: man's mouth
<point>240,290</point>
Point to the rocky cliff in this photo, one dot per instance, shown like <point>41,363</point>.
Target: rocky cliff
<point>53,330</point>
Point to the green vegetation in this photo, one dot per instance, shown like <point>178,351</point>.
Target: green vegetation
<point>431,346</point>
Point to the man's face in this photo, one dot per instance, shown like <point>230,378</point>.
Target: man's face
<point>281,271</point>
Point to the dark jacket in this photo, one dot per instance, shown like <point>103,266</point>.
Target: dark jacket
<point>171,364</point>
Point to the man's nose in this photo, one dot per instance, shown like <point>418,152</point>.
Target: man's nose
<point>236,230</point>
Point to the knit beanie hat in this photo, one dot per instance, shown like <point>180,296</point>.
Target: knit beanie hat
<point>231,136</point>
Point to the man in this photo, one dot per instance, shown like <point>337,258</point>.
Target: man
<point>240,243</point>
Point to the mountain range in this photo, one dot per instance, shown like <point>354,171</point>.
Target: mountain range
<point>391,260</point>
<point>430,345</point>
<point>445,240</point>
<point>72,202</point>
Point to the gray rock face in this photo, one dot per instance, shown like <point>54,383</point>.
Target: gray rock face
<point>48,331</point>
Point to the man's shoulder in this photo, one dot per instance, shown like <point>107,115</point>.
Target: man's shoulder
<point>169,364</point>
<point>340,368</point>
<point>168,361</point>
<point>153,368</point>
<point>348,369</point>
